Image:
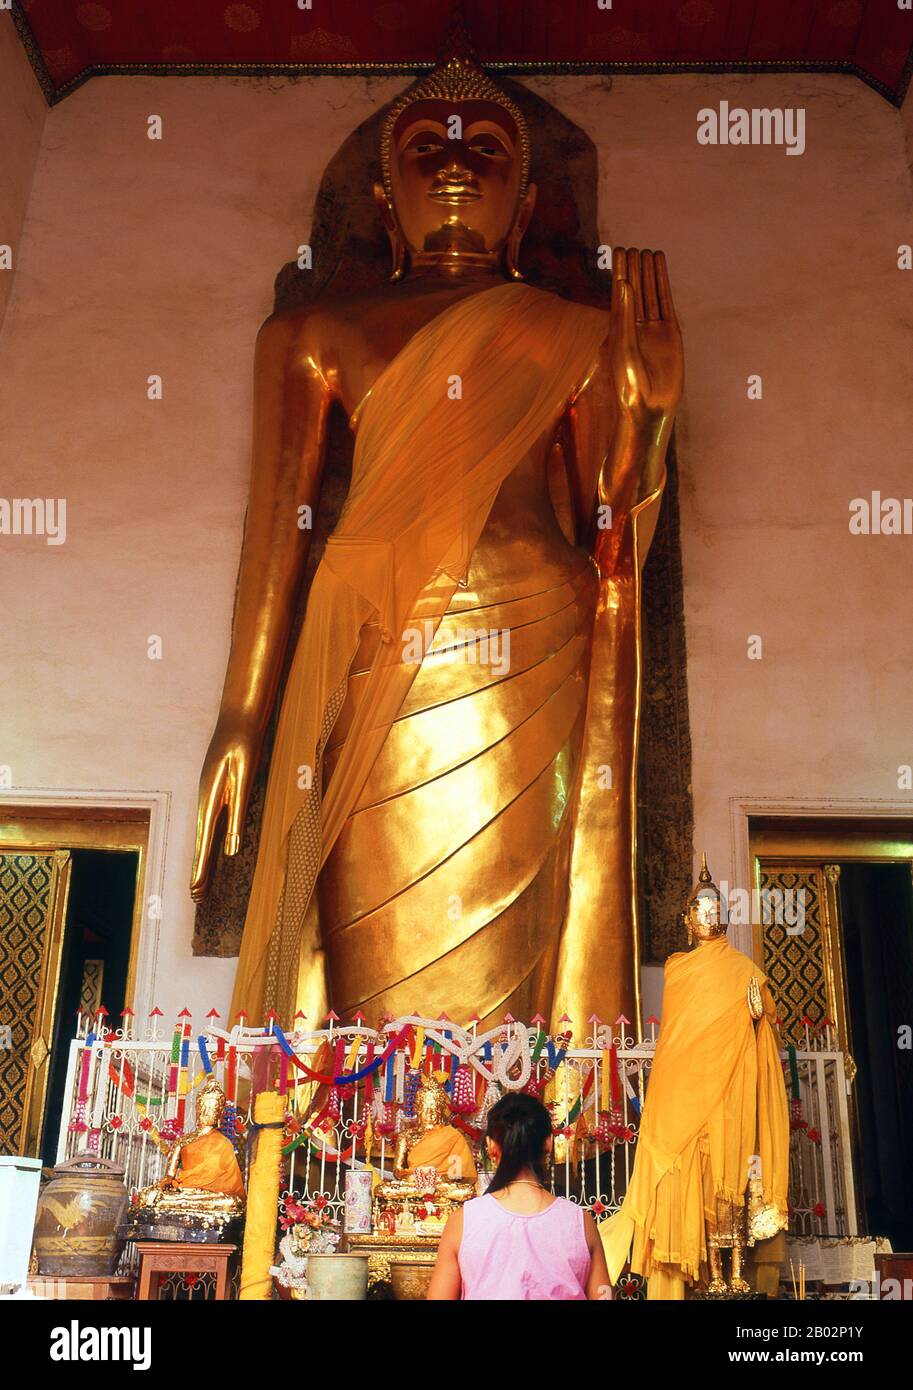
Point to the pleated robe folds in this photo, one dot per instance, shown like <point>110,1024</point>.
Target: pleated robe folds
<point>403,746</point>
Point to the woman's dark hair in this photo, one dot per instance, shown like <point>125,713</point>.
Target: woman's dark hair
<point>519,1125</point>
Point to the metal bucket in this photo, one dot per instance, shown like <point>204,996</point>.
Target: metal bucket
<point>341,1278</point>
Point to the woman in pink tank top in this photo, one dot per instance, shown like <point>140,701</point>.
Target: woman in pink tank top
<point>520,1241</point>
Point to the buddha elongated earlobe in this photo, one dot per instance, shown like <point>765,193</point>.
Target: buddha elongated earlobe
<point>512,253</point>
<point>397,244</point>
<point>512,249</point>
<point>398,251</point>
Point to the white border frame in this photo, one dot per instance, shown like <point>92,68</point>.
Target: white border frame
<point>158,806</point>
<point>741,808</point>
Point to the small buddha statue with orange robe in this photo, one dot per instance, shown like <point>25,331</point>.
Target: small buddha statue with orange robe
<point>202,1177</point>
<point>430,1141</point>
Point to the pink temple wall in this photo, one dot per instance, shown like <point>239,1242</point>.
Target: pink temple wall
<point>142,257</point>
<point>22,114</point>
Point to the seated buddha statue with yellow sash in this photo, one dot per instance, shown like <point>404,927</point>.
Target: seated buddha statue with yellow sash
<point>430,1141</point>
<point>202,1176</point>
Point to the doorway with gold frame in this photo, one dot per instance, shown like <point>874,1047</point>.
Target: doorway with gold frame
<point>854,881</point>
<point>42,944</point>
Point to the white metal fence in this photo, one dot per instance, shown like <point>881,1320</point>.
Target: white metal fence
<point>128,1094</point>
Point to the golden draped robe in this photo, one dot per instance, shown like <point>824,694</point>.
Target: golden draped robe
<point>716,1100</point>
<point>208,1163</point>
<point>445,1149</point>
<point>437,798</point>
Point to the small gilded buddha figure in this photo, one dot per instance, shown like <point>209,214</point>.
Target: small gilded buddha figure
<point>202,1177</point>
<point>430,1141</point>
<point>711,1169</point>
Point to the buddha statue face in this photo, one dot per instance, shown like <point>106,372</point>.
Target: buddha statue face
<point>456,180</point>
<point>454,152</point>
<point>210,1106</point>
<point>431,1105</point>
<point>703,917</point>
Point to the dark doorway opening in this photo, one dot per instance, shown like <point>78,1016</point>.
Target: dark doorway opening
<point>94,962</point>
<point>876,902</point>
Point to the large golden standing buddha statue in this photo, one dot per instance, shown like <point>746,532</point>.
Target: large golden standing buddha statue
<point>449,821</point>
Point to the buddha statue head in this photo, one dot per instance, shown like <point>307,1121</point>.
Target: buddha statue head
<point>454,153</point>
<point>210,1105</point>
<point>703,915</point>
<point>432,1107</point>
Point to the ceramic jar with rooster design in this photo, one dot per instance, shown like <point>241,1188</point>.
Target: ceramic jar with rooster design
<point>79,1212</point>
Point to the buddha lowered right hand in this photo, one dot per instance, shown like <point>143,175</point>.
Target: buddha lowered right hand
<point>225,782</point>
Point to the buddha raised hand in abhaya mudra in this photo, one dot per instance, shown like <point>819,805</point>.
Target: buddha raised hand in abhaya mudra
<point>449,821</point>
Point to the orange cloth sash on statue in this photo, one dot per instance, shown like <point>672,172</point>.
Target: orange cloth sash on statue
<point>209,1163</point>
<point>427,467</point>
<point>716,1097</point>
<point>445,1149</point>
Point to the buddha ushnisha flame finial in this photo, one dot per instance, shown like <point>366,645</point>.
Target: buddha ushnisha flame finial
<point>457,76</point>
